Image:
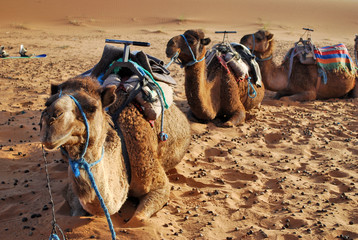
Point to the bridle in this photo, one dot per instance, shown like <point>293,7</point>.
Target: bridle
<point>258,59</point>
<point>178,61</point>
<point>76,164</point>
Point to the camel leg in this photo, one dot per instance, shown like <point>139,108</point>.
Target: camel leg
<point>302,96</point>
<point>150,203</point>
<point>73,201</point>
<point>237,118</point>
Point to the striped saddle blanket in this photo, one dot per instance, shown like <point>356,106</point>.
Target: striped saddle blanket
<point>334,57</point>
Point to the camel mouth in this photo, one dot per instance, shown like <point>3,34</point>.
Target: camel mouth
<point>172,53</point>
<point>51,144</point>
<point>169,53</point>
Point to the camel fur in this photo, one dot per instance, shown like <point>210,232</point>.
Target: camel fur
<point>211,91</point>
<point>150,159</point>
<point>304,83</point>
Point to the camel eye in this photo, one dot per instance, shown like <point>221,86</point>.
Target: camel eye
<point>56,116</point>
<point>190,41</point>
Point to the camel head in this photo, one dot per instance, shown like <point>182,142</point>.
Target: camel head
<point>190,46</point>
<point>62,122</point>
<point>261,41</point>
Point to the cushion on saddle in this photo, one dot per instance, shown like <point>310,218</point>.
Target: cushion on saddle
<point>334,57</point>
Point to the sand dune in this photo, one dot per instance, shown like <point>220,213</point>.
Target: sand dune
<point>289,172</point>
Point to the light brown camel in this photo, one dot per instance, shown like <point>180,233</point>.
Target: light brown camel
<point>211,91</point>
<point>63,126</point>
<point>304,83</point>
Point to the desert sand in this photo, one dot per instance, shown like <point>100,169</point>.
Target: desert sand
<point>289,172</point>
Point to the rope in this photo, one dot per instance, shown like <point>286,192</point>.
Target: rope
<point>173,59</point>
<point>250,85</point>
<point>263,59</point>
<point>322,73</point>
<point>254,41</point>
<point>103,205</point>
<point>81,162</point>
<point>53,235</point>
<point>192,54</point>
<point>162,136</point>
<point>253,50</point>
<point>145,72</point>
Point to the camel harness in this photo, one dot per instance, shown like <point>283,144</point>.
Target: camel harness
<point>82,163</point>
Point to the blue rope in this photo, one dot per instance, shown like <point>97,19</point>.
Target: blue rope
<point>86,124</point>
<point>254,41</point>
<point>191,51</point>
<point>145,72</point>
<point>54,237</point>
<point>77,164</point>
<point>81,162</point>
<point>173,59</point>
<point>322,73</point>
<point>162,135</point>
<point>87,167</point>
<point>250,85</point>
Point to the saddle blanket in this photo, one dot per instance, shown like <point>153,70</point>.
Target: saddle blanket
<point>333,57</point>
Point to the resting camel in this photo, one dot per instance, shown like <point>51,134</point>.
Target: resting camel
<point>305,82</point>
<point>144,177</point>
<point>211,91</point>
<point>356,49</point>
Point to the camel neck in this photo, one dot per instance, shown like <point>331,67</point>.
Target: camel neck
<point>198,90</point>
<point>273,76</point>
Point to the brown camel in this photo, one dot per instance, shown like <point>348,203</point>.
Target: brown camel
<point>211,91</point>
<point>64,126</point>
<point>305,82</point>
<point>356,49</point>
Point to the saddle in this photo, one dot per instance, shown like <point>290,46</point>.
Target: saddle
<point>151,97</point>
<point>238,57</point>
<point>326,58</point>
<point>111,53</point>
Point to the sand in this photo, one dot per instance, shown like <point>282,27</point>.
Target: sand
<point>289,172</point>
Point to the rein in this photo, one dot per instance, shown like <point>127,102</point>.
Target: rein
<point>192,54</point>
<point>81,162</point>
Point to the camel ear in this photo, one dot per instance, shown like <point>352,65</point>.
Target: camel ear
<point>108,96</point>
<point>269,36</point>
<point>54,89</point>
<point>205,41</point>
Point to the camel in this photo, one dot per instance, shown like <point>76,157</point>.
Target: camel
<point>149,159</point>
<point>356,49</point>
<point>211,91</point>
<point>304,83</point>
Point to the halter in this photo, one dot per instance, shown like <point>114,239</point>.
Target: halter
<point>253,50</point>
<point>191,51</point>
<point>81,162</point>
<point>174,59</point>
<point>77,163</point>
